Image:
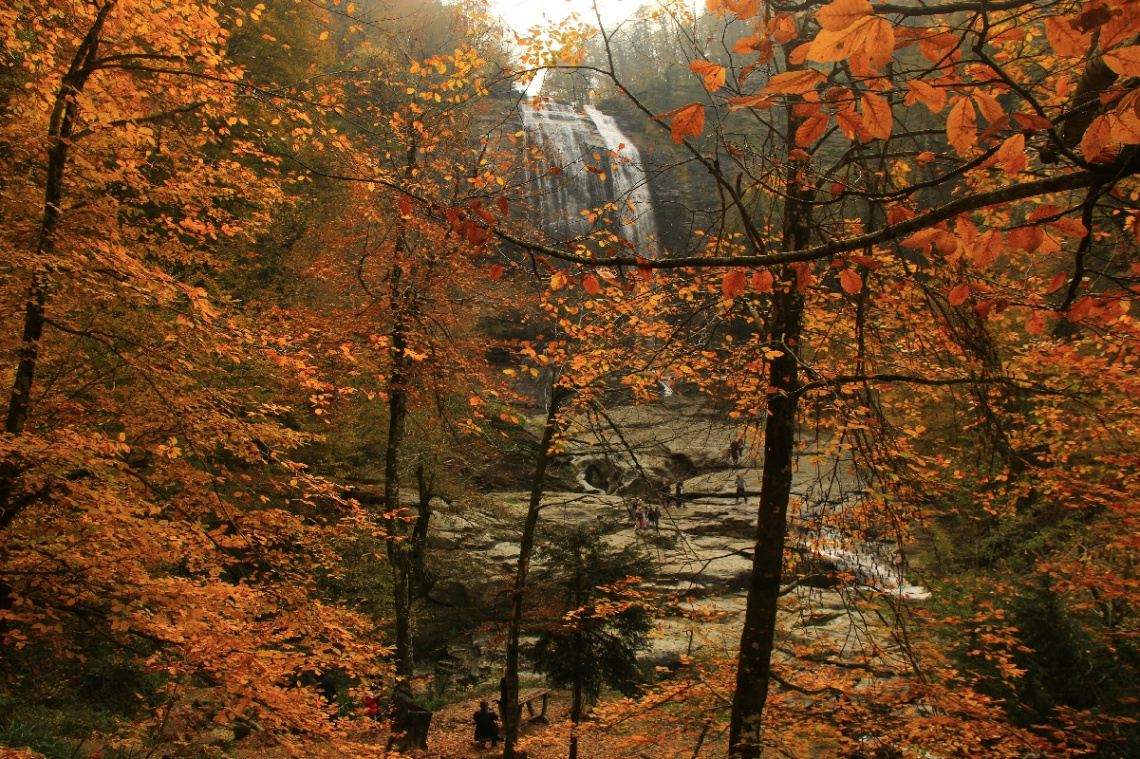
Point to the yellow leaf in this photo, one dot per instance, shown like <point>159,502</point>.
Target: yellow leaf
<point>557,280</point>
<point>324,35</point>
<point>841,14</point>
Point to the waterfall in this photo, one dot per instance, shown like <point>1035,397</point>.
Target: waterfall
<point>591,165</point>
<point>630,184</point>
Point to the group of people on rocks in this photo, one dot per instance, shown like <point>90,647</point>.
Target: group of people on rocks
<point>645,517</point>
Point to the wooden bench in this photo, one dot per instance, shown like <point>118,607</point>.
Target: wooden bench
<point>528,697</point>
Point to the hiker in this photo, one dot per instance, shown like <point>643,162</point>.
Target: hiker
<point>640,517</point>
<point>655,518</point>
<point>486,726</point>
<point>680,493</point>
<point>741,490</point>
<point>734,450</point>
<point>664,490</point>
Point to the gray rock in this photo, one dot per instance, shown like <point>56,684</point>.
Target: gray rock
<point>449,593</point>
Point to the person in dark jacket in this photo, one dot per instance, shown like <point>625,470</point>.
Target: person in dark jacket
<point>487,725</point>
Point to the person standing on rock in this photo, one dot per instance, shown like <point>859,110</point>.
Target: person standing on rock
<point>641,517</point>
<point>680,493</point>
<point>655,518</point>
<point>741,490</point>
<point>734,450</point>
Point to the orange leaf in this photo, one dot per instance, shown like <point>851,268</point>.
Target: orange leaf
<point>839,15</point>
<point>850,281</point>
<point>746,45</point>
<point>830,46</point>
<point>503,206</point>
<point>1032,122</point>
<point>812,129</point>
<point>959,295</point>
<point>850,122</point>
<point>405,207</point>
<point>877,115</point>
<point>496,271</point>
<point>1036,324</point>
<point>713,73</point>
<point>733,283</point>
<point>1080,309</point>
<point>989,106</point>
<point>1011,154</point>
<point>880,42</point>
<point>762,281</point>
<point>1069,227</point>
<point>961,125</point>
<point>590,284</point>
<point>799,54</point>
<point>759,102</point>
<point>782,27</point>
<point>746,9</point>
<point>1025,238</point>
<point>987,249</point>
<point>645,268</point>
<point>1064,38</point>
<point>1124,60</point>
<point>794,82</point>
<point>925,158</point>
<point>932,97</point>
<point>1096,138</point>
<point>558,280</point>
<point>1059,279</point>
<point>689,122</point>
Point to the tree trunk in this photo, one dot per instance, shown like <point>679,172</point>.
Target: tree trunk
<point>60,130</point>
<point>758,635</point>
<point>399,553</point>
<point>575,715</point>
<point>526,548</point>
<point>420,531</point>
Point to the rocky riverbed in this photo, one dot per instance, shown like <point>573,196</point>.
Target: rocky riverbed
<point>703,550</point>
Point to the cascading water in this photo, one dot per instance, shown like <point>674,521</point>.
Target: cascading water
<point>594,177</point>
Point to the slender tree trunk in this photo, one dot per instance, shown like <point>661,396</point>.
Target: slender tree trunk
<point>575,715</point>
<point>60,130</point>
<point>399,553</point>
<point>758,636</point>
<point>526,548</point>
<point>420,531</point>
